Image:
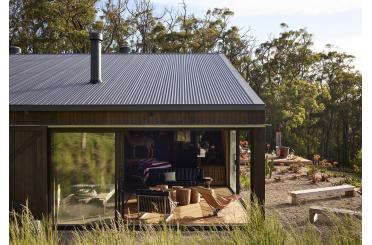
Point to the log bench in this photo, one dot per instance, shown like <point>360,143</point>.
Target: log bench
<point>316,210</point>
<point>294,196</point>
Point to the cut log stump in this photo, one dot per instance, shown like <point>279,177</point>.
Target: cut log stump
<point>315,211</point>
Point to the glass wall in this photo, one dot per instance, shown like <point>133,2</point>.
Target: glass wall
<point>83,182</point>
<point>233,156</point>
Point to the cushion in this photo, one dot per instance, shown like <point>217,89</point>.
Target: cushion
<point>170,176</point>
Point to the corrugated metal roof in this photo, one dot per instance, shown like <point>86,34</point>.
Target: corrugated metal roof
<point>129,80</point>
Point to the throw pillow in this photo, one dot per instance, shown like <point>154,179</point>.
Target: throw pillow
<point>170,176</point>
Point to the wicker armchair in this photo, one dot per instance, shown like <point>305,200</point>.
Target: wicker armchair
<point>153,201</point>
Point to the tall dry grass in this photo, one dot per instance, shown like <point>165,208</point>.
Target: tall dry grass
<point>258,230</point>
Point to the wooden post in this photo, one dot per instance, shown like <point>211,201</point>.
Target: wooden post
<point>258,165</point>
<point>119,174</point>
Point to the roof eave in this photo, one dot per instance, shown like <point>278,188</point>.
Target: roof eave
<point>180,107</point>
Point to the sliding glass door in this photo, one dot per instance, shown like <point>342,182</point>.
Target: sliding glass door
<point>83,179</point>
<point>232,162</point>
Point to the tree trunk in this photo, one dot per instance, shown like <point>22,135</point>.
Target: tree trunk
<point>345,137</point>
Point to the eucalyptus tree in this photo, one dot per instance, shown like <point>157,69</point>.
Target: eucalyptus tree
<point>114,23</point>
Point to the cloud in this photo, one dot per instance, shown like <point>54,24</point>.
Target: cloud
<point>264,7</point>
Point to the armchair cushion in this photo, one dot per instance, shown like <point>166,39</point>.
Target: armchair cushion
<point>170,176</point>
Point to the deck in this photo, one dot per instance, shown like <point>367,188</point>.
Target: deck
<point>192,214</point>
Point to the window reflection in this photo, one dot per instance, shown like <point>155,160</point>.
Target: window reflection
<point>84,172</point>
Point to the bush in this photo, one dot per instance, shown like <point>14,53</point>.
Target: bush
<point>245,182</point>
<point>358,163</point>
<point>269,167</point>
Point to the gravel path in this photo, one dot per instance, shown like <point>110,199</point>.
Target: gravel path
<point>276,198</point>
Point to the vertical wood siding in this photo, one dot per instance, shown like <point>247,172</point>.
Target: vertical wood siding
<point>28,169</point>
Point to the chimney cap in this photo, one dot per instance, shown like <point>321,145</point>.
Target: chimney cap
<point>124,50</point>
<point>94,35</point>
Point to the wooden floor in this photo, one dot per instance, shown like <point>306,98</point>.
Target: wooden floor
<point>192,214</point>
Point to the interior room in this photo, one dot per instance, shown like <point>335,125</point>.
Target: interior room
<point>84,165</point>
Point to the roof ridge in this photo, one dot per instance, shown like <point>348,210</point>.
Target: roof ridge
<point>173,53</point>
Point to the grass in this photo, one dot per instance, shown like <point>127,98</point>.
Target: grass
<point>245,182</point>
<point>24,230</point>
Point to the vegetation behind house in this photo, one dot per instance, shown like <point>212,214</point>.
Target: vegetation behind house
<point>315,96</point>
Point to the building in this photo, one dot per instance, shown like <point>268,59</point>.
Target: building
<point>80,122</point>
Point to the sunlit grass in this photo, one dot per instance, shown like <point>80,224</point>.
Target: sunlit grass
<point>259,230</point>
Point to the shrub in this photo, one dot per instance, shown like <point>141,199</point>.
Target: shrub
<point>358,162</point>
<point>269,167</point>
<point>295,168</point>
<point>245,182</point>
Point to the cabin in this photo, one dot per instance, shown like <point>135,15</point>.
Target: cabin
<point>88,130</point>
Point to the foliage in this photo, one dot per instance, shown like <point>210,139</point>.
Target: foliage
<point>245,182</point>
<point>295,167</point>
<point>24,229</point>
<point>83,158</point>
<point>315,96</point>
<point>357,161</point>
<point>350,180</point>
<point>257,230</point>
<point>269,167</point>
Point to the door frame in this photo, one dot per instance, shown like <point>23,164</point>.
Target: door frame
<point>120,160</point>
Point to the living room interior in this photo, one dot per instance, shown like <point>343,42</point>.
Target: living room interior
<point>158,179</point>
<point>180,162</point>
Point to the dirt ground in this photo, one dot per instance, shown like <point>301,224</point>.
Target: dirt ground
<point>276,197</point>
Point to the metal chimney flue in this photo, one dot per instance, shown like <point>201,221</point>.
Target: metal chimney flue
<point>14,50</point>
<point>95,57</point>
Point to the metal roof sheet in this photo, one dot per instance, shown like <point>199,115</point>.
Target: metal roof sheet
<point>168,81</point>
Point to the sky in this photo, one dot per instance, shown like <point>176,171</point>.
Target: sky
<point>336,22</point>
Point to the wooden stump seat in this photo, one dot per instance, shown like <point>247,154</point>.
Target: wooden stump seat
<point>183,196</point>
<point>195,196</point>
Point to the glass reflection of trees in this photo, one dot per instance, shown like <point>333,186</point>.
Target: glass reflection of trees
<point>83,158</point>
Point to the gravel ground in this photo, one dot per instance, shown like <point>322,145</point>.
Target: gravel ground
<point>276,198</point>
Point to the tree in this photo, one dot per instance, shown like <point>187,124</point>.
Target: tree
<point>341,120</point>
<point>315,96</point>
<point>70,22</point>
<point>143,21</point>
<point>28,20</point>
<point>114,26</point>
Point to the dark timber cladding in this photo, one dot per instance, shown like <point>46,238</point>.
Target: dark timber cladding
<point>28,169</point>
<point>138,118</point>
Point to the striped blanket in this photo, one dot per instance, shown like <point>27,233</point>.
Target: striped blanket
<point>148,164</point>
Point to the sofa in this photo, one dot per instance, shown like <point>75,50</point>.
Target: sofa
<point>183,177</point>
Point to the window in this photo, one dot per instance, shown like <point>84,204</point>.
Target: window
<point>84,176</point>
